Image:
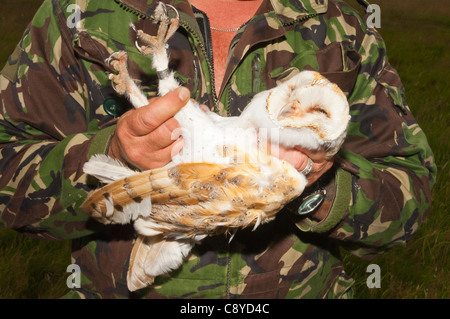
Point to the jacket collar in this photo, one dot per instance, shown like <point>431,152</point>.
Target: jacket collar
<point>298,9</point>
<point>295,10</point>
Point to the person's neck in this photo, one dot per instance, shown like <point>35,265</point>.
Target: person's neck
<point>225,19</point>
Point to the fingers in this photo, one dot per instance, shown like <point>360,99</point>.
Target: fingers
<point>321,163</point>
<point>148,137</point>
<point>204,108</point>
<point>298,157</point>
<point>162,136</point>
<point>158,112</point>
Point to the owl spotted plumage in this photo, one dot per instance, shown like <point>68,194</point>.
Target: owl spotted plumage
<point>224,179</point>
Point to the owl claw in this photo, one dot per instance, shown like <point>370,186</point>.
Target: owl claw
<point>117,60</point>
<point>109,59</point>
<point>232,236</point>
<point>119,88</point>
<point>160,15</point>
<point>132,26</point>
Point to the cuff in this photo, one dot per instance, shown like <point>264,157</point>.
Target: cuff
<point>339,205</point>
<point>101,140</point>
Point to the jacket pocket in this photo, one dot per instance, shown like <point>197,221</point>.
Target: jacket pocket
<point>338,62</point>
<point>91,50</point>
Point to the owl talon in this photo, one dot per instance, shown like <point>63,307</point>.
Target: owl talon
<point>133,26</point>
<point>118,61</point>
<point>109,59</point>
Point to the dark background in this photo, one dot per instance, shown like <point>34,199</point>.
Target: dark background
<point>417,35</point>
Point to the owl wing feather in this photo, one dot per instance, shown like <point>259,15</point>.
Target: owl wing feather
<point>107,169</point>
<point>152,256</point>
<point>136,275</point>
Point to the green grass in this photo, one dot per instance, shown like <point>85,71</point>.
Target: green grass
<point>31,268</point>
<point>28,268</point>
<point>417,35</point>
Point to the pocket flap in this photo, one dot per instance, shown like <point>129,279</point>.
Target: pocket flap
<point>338,63</point>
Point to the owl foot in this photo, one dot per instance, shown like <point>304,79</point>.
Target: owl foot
<point>122,82</point>
<point>157,45</point>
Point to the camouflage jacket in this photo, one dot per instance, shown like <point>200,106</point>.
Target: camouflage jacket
<point>58,108</point>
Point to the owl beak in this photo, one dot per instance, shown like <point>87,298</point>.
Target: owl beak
<point>291,110</point>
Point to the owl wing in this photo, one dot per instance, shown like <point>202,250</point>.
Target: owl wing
<point>188,202</point>
<point>175,206</point>
<point>197,198</point>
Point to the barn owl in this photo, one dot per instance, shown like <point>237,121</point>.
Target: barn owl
<point>225,178</point>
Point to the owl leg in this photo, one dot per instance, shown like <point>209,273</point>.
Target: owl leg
<point>122,82</point>
<point>157,47</point>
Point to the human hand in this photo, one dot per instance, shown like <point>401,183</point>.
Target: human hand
<point>143,136</point>
<point>298,157</point>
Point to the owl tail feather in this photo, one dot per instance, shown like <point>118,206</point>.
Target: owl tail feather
<point>154,256</point>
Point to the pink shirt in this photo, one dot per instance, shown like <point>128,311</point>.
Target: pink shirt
<point>225,14</point>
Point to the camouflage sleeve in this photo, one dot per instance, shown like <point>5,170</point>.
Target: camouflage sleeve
<point>46,132</point>
<point>381,191</point>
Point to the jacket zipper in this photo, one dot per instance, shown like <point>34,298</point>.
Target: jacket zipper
<point>233,43</point>
<point>207,52</point>
<point>211,57</point>
<point>228,273</point>
<point>208,34</point>
<point>127,8</point>
<point>302,19</point>
<point>216,106</point>
<point>209,62</point>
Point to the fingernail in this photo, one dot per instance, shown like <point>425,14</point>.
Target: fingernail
<point>184,94</point>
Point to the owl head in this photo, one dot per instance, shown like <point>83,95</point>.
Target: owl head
<point>309,111</point>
